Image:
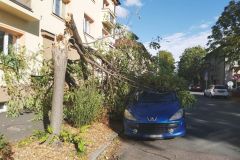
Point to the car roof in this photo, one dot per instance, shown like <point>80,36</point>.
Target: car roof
<point>156,92</point>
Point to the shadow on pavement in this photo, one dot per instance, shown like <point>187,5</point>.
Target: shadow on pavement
<point>214,119</point>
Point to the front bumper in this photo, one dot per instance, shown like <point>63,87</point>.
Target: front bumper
<point>220,94</point>
<point>155,130</point>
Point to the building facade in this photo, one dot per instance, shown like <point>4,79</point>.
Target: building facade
<point>220,71</point>
<point>34,24</point>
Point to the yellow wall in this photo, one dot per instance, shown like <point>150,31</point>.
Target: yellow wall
<point>28,24</point>
<point>28,32</point>
<point>52,23</point>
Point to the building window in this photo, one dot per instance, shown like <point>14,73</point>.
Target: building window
<point>6,41</point>
<point>59,8</point>
<point>87,24</point>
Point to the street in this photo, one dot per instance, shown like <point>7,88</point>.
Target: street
<point>213,133</point>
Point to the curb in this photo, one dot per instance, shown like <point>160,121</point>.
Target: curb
<point>94,155</point>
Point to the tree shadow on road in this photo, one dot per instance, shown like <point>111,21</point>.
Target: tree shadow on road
<point>215,120</point>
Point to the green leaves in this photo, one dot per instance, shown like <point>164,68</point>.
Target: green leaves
<point>187,100</point>
<point>14,62</point>
<point>26,92</point>
<point>65,136</point>
<point>3,143</point>
<point>191,63</point>
<point>84,105</point>
<point>5,149</point>
<point>164,63</point>
<point>225,37</point>
<point>81,145</point>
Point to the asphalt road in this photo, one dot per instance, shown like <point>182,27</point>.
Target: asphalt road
<point>213,133</point>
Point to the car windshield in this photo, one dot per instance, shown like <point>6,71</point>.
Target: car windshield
<point>157,97</point>
<point>220,87</point>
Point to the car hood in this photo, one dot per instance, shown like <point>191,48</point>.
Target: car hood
<point>161,112</point>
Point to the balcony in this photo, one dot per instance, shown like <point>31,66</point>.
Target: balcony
<point>108,18</point>
<point>23,3</point>
<point>19,8</point>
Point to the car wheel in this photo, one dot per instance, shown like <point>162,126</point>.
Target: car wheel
<point>210,95</point>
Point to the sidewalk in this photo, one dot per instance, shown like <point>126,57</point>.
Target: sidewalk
<point>15,129</point>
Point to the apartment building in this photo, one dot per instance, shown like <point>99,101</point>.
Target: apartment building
<point>220,71</point>
<point>34,24</point>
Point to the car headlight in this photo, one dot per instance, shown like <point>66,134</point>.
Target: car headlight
<point>177,115</point>
<point>128,115</point>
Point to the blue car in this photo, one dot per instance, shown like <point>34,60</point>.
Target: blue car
<point>155,116</point>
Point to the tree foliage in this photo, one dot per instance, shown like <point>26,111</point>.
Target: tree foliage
<point>130,59</point>
<point>190,64</point>
<point>6,152</point>
<point>225,37</point>
<point>164,62</point>
<point>83,105</point>
<point>16,67</point>
<point>118,72</point>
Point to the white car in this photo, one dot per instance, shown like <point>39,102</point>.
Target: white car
<point>216,90</point>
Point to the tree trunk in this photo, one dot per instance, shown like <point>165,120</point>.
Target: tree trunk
<point>59,53</point>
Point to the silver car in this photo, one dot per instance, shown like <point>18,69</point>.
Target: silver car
<point>216,90</point>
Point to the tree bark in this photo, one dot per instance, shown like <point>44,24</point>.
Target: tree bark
<point>59,53</point>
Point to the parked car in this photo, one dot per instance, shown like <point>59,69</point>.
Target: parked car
<point>155,115</point>
<point>216,90</point>
<point>196,88</point>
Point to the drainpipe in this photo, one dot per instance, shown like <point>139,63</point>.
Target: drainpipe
<point>5,44</point>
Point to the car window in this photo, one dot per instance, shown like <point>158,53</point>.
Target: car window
<point>220,87</point>
<point>156,98</point>
<point>210,87</point>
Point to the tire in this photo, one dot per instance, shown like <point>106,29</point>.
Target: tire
<point>210,95</point>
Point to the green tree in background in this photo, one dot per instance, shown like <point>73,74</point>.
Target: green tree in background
<point>164,62</point>
<point>225,37</point>
<point>190,64</point>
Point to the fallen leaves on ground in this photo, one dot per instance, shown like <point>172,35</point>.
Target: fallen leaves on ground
<point>95,136</point>
<point>110,153</point>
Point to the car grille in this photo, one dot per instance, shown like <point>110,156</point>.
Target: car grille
<point>155,128</point>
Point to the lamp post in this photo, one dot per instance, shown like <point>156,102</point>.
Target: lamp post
<point>206,73</point>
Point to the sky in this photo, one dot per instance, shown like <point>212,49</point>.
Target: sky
<point>180,23</point>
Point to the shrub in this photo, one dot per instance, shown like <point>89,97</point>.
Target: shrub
<point>65,136</point>
<point>84,105</point>
<point>26,91</point>
<point>5,149</point>
<point>186,99</point>
<point>117,99</point>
